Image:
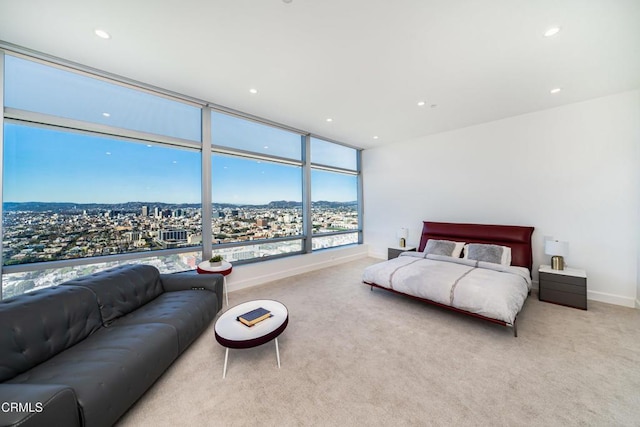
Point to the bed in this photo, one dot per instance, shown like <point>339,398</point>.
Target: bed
<point>477,269</point>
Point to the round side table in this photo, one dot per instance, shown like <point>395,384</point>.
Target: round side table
<point>231,333</point>
<point>225,269</point>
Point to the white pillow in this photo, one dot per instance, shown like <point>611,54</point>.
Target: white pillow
<point>489,253</point>
<point>443,247</point>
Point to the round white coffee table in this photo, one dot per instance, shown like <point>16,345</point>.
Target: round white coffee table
<point>225,269</point>
<point>231,333</point>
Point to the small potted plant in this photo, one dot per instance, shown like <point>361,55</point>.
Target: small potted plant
<point>216,261</point>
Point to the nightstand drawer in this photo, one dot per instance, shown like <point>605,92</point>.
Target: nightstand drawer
<point>559,278</point>
<point>563,298</point>
<point>564,287</point>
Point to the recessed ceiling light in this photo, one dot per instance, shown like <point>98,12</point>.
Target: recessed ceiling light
<point>329,119</point>
<point>102,34</point>
<point>254,91</point>
<point>552,31</point>
<point>266,147</point>
<point>149,145</point>
<point>375,137</point>
<point>555,90</point>
<point>106,114</point>
<point>421,103</point>
<point>108,153</point>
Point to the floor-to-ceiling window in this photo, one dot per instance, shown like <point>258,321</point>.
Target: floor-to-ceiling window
<point>94,174</point>
<point>334,194</point>
<point>256,184</point>
<point>99,172</point>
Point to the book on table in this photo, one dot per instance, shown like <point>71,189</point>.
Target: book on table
<point>254,316</point>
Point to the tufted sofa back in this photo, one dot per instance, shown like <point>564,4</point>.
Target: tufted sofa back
<point>121,290</point>
<point>36,326</point>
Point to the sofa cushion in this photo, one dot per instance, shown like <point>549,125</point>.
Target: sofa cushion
<point>121,290</point>
<point>110,369</point>
<point>36,326</point>
<point>189,312</point>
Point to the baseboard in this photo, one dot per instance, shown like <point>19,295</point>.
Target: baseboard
<point>612,299</point>
<point>286,267</point>
<point>602,297</point>
<point>378,255</point>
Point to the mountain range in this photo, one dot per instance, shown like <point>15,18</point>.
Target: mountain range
<point>137,206</point>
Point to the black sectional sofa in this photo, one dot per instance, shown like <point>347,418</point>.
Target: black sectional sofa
<point>80,354</point>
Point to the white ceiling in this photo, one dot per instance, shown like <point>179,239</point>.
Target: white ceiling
<point>364,63</point>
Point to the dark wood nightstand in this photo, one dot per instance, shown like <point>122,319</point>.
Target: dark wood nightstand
<point>397,250</point>
<point>566,287</point>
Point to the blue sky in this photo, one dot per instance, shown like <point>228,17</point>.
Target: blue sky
<point>46,165</point>
<point>52,166</point>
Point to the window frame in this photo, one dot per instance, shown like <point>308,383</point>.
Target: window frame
<point>204,146</point>
<point>359,190</point>
<point>245,154</point>
<point>97,259</point>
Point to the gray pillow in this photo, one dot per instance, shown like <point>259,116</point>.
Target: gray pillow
<point>487,253</point>
<point>443,247</point>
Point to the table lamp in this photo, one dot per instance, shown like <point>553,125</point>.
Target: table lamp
<point>557,250</point>
<point>403,233</point>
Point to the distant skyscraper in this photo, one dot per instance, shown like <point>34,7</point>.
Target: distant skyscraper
<point>145,210</point>
<point>172,235</point>
<point>133,235</point>
<point>156,212</point>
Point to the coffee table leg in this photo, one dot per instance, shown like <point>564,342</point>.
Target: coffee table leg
<point>226,356</point>
<point>226,292</point>
<point>277,353</point>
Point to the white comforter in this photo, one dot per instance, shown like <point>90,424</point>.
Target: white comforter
<point>487,289</point>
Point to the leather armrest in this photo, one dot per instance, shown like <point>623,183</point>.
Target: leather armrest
<point>189,280</point>
<point>33,405</point>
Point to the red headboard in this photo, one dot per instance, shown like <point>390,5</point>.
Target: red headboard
<point>516,237</point>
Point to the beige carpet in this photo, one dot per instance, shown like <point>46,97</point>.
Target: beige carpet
<point>355,357</point>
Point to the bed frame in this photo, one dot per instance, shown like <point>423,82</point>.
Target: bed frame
<point>518,238</point>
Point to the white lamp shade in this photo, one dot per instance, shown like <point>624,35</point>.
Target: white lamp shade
<point>555,247</point>
<point>403,233</point>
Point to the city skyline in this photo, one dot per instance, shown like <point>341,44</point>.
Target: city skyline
<point>35,235</point>
<point>139,204</point>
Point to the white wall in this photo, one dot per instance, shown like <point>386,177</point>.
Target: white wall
<point>572,172</point>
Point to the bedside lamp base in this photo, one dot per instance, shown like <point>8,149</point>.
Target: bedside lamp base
<point>557,262</point>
